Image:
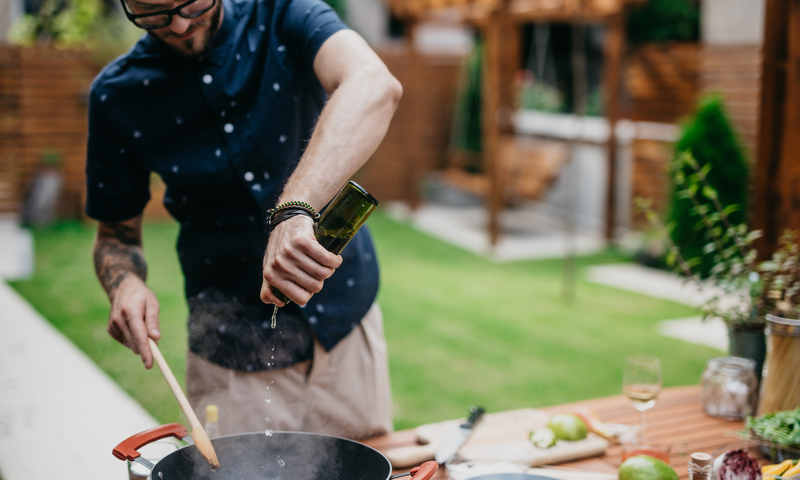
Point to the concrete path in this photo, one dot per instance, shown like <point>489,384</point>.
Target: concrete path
<point>660,284</point>
<point>60,415</point>
<point>526,234</point>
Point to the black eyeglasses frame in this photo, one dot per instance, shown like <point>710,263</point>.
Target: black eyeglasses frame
<point>170,13</point>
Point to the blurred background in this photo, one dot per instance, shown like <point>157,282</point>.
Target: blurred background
<point>527,131</point>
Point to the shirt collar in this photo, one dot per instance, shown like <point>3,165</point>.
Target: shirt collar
<point>218,50</point>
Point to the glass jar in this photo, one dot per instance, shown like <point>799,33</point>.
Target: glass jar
<point>780,384</point>
<point>729,387</point>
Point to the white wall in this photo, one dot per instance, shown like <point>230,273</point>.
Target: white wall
<point>10,10</point>
<point>370,18</point>
<point>732,22</point>
<point>581,187</point>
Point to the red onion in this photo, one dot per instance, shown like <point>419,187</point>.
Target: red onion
<point>736,465</point>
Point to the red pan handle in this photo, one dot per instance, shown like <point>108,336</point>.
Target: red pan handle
<point>128,449</point>
<point>424,471</point>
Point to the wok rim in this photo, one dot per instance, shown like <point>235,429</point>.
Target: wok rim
<point>322,435</point>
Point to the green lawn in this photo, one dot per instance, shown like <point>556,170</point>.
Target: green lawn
<point>461,330</point>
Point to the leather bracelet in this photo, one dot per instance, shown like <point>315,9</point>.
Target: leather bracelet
<point>286,213</point>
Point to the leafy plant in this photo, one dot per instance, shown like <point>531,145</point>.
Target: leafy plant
<point>539,96</point>
<point>782,428</point>
<point>710,139</point>
<point>743,290</point>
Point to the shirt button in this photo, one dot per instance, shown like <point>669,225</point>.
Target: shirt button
<point>228,128</point>
<point>249,176</point>
<point>207,79</point>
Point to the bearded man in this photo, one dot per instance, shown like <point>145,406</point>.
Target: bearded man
<point>239,106</point>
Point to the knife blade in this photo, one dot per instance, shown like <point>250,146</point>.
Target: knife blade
<point>457,436</point>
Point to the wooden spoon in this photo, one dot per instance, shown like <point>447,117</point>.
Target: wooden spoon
<point>199,435</point>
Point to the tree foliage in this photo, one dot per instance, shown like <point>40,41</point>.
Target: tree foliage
<point>663,21</point>
<point>92,24</point>
<point>340,6</point>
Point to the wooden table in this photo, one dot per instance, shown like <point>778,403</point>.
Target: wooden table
<point>677,419</point>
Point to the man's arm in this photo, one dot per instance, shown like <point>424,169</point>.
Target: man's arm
<point>363,96</point>
<point>121,268</point>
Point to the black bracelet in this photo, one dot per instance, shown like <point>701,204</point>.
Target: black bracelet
<point>276,217</point>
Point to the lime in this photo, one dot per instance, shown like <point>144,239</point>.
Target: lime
<point>567,426</point>
<point>643,467</point>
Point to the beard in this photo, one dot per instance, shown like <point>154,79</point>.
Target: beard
<point>194,48</point>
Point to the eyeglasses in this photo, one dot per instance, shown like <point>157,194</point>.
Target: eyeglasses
<point>162,18</point>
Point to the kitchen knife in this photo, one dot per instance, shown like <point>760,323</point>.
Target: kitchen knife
<point>456,437</point>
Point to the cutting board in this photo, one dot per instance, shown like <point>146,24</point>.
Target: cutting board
<point>498,436</point>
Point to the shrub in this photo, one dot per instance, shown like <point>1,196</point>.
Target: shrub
<point>710,139</point>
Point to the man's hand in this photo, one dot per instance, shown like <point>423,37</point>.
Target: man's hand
<point>121,269</point>
<point>295,263</point>
<point>134,317</point>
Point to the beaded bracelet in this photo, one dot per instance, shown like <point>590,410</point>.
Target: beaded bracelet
<point>286,213</point>
<point>293,204</point>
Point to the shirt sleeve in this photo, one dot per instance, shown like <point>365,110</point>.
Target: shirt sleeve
<point>117,185</point>
<point>306,26</point>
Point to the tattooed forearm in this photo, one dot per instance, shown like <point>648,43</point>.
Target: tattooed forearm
<point>118,254</point>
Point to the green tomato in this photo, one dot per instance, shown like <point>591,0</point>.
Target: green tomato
<point>567,426</point>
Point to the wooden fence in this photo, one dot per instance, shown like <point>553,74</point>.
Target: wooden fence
<point>44,97</point>
<point>662,81</point>
<point>418,138</point>
<point>735,73</point>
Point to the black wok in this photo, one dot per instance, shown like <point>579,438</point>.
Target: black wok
<point>252,456</point>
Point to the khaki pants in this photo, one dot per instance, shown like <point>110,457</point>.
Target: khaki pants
<point>344,392</point>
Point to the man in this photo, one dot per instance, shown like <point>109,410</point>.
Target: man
<point>223,99</point>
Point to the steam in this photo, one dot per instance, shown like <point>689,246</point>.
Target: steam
<point>284,456</point>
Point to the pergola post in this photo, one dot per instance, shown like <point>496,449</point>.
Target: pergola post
<point>500,62</point>
<point>776,189</point>
<point>613,52</point>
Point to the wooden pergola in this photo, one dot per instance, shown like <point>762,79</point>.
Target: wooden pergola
<point>499,22</point>
<point>776,189</point>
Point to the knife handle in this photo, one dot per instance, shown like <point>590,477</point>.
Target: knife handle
<point>402,457</point>
<point>474,414</point>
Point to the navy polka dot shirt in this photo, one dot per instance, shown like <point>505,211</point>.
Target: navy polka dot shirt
<point>225,134</point>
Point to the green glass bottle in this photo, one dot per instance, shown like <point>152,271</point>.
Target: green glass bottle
<point>338,224</point>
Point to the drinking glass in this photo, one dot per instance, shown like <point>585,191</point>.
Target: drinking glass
<point>641,383</point>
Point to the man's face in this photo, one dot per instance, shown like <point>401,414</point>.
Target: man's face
<point>188,37</point>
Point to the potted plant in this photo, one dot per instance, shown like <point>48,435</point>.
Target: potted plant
<point>739,289</point>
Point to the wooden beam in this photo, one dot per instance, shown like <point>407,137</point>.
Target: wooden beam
<point>413,164</point>
<point>490,99</point>
<point>788,215</point>
<point>612,71</point>
<point>771,128</point>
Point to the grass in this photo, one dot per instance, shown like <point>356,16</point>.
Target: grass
<point>461,330</point>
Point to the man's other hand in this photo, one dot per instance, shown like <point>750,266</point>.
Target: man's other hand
<point>134,317</point>
<point>295,263</point>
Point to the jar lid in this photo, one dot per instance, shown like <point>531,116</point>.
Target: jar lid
<point>783,326</point>
<point>733,366</point>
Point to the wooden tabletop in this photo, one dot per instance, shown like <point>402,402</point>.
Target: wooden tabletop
<point>676,419</point>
